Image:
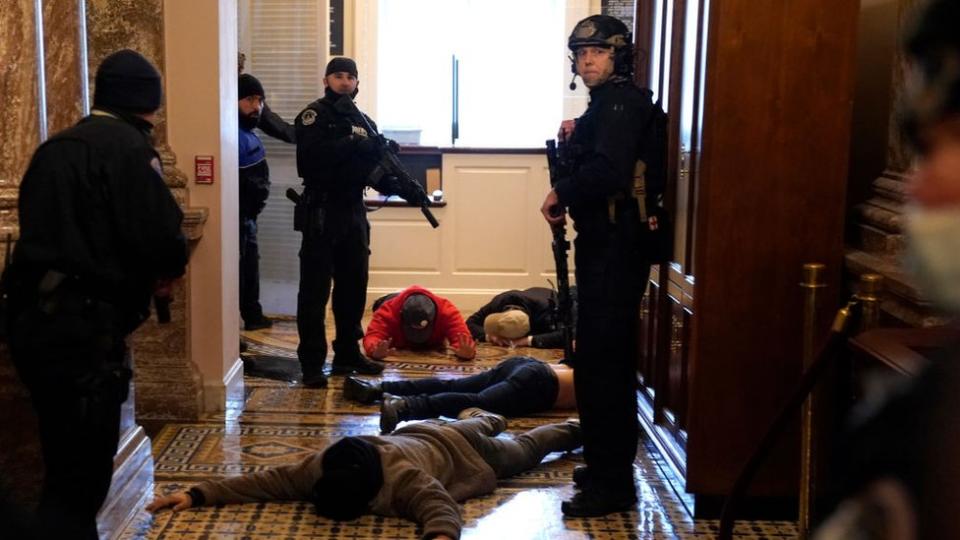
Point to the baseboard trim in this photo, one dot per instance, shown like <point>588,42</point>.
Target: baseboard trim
<point>131,484</point>
<point>226,394</point>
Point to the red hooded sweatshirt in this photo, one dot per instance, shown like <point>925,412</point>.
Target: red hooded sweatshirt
<point>387,323</point>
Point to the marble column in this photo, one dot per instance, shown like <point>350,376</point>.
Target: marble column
<point>168,385</point>
<point>35,60</point>
<point>878,241</point>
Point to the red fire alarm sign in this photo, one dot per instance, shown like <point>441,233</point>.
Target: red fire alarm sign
<point>203,169</point>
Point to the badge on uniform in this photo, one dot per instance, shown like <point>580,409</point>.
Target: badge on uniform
<point>308,117</point>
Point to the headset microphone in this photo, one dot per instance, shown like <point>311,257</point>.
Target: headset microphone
<point>573,82</point>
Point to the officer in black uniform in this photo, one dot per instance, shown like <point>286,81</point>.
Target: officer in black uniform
<point>604,146</point>
<point>335,156</point>
<point>99,235</point>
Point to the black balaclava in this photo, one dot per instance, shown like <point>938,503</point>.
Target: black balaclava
<point>352,476</point>
<point>336,65</point>
<point>248,85</point>
<point>127,82</point>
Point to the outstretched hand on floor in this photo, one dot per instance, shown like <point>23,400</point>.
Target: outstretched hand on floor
<point>179,501</point>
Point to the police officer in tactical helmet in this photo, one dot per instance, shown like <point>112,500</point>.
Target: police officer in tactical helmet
<point>335,156</point>
<point>604,146</point>
<point>99,235</point>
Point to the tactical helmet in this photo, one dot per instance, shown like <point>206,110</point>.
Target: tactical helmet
<point>604,31</point>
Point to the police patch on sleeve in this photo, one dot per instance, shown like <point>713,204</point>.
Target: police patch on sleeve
<point>308,117</point>
<point>155,163</point>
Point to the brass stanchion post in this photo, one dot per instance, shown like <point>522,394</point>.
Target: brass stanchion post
<point>812,280</point>
<point>869,296</point>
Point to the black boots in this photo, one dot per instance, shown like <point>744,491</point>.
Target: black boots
<point>393,409</point>
<point>365,392</point>
<point>594,499</point>
<point>355,364</point>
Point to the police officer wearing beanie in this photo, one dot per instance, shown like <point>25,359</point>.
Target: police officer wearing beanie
<point>99,235</point>
<point>335,156</point>
<point>254,181</point>
<point>605,144</point>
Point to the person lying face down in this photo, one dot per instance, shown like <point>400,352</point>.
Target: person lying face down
<point>420,472</point>
<point>524,318</point>
<point>415,318</point>
<point>517,386</point>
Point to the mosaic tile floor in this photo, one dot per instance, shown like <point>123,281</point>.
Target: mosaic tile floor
<point>282,422</point>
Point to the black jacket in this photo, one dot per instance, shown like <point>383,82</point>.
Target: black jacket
<point>538,303</point>
<point>605,147</point>
<point>275,126</point>
<point>93,205</point>
<point>335,154</point>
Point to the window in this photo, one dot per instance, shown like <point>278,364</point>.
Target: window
<point>512,64</point>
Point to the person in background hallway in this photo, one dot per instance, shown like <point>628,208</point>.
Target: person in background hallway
<point>335,157</point>
<point>254,190</point>
<point>99,235</point>
<point>415,318</point>
<point>517,386</point>
<point>609,140</point>
<point>524,318</point>
<point>903,473</point>
<point>270,122</point>
<point>420,472</point>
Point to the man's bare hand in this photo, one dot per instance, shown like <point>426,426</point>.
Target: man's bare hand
<point>466,349</point>
<point>566,130</point>
<point>552,211</point>
<point>497,340</point>
<point>178,501</point>
<point>380,350</point>
<point>525,341</point>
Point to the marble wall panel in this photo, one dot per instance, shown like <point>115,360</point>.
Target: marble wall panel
<point>19,128</point>
<point>127,24</point>
<point>62,67</point>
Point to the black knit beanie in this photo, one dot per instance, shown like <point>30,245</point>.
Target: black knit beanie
<point>129,82</point>
<point>248,85</point>
<point>342,63</point>
<point>352,477</point>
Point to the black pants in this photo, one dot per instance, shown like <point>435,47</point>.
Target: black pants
<point>610,282</point>
<point>339,253</point>
<point>250,308</point>
<point>515,387</point>
<point>72,363</point>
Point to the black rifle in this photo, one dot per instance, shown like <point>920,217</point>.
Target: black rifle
<point>389,167</point>
<point>557,161</point>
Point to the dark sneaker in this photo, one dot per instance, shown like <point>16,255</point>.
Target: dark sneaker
<point>392,410</point>
<point>358,364</point>
<point>258,324</point>
<point>365,392</point>
<point>315,380</point>
<point>594,502</point>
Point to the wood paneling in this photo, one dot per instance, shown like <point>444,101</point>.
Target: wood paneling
<point>759,103</point>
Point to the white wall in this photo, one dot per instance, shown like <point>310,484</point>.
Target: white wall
<point>201,53</point>
<point>491,238</point>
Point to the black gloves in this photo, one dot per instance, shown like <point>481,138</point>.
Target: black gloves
<point>371,145</point>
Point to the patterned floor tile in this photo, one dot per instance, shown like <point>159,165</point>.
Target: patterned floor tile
<point>282,422</point>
